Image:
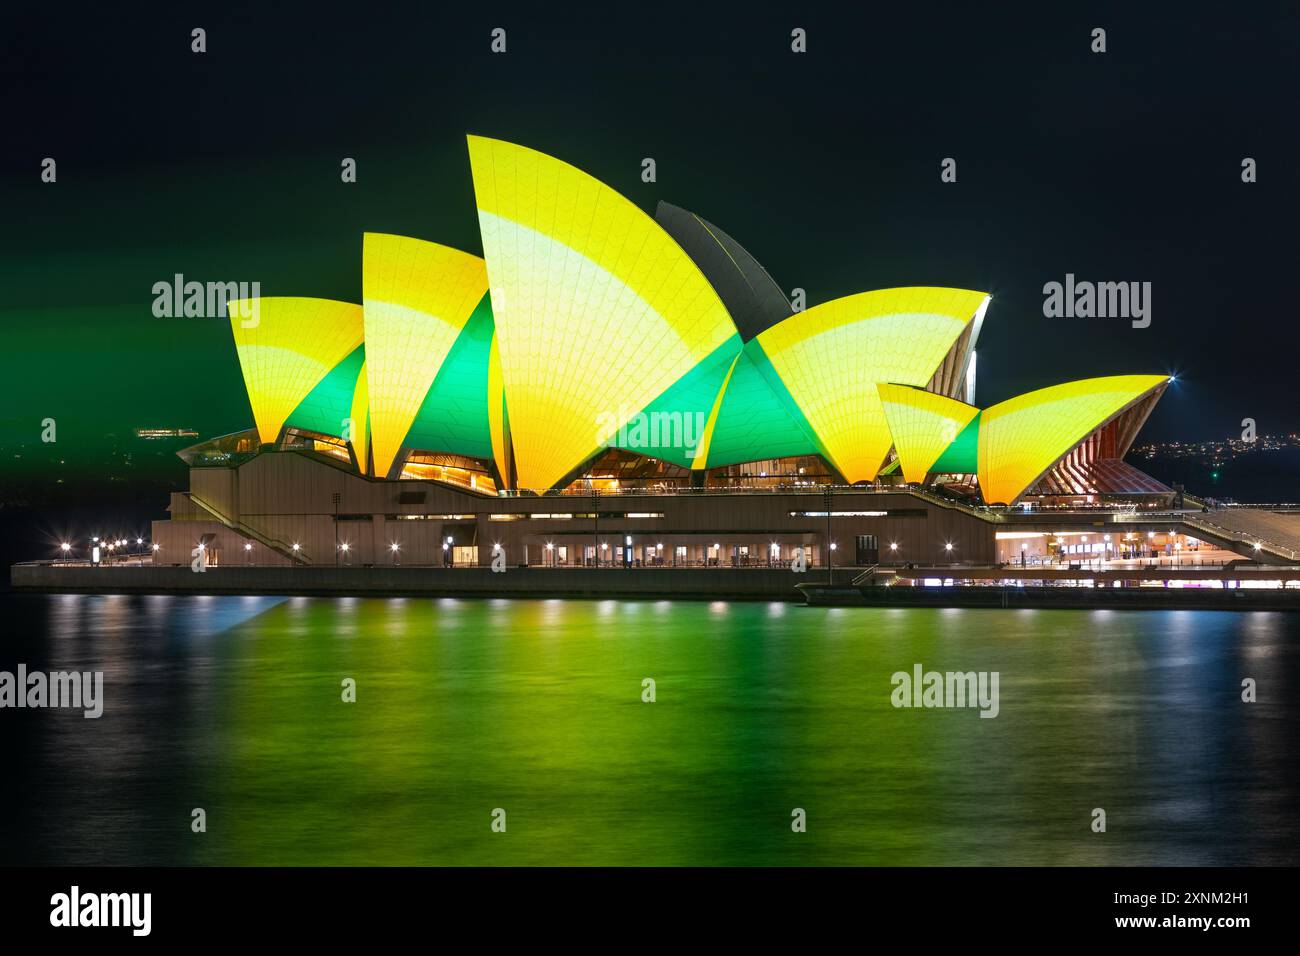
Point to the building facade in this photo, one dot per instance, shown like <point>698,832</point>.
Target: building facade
<point>604,388</point>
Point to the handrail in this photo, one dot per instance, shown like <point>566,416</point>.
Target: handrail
<point>1232,534</point>
<point>274,544</point>
<point>1196,519</point>
<point>983,513</point>
<point>865,576</point>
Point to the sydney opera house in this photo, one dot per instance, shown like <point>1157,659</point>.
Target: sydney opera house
<point>603,387</point>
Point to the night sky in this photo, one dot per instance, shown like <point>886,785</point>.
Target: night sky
<point>1123,166</point>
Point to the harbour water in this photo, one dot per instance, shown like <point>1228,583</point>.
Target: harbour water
<point>536,707</point>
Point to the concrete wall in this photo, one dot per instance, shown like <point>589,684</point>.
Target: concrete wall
<point>1064,598</point>
<point>176,541</point>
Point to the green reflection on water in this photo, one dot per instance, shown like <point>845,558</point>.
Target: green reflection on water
<point>535,707</point>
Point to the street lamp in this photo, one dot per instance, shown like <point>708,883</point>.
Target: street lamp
<point>66,549</point>
<point>248,550</point>
<point>335,498</point>
<point>394,548</point>
<point>830,559</point>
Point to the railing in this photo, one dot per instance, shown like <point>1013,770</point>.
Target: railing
<point>1263,506</point>
<point>1194,518</point>
<point>821,491</point>
<point>1166,515</point>
<point>1255,541</point>
<point>239,527</point>
<point>652,491</point>
<point>865,576</point>
<point>983,512</point>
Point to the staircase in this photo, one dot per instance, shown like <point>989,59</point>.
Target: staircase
<point>865,576</point>
<point>279,547</point>
<point>1269,532</point>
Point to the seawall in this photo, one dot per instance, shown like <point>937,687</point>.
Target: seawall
<point>1064,598</point>
<point>702,584</point>
<point>687,583</point>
